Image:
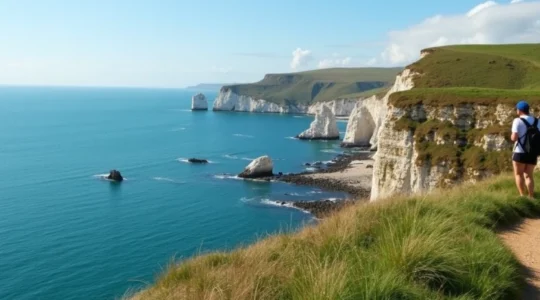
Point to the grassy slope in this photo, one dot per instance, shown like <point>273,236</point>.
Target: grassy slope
<point>475,73</point>
<point>318,85</point>
<point>441,246</point>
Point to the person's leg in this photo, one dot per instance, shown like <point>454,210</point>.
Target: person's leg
<point>529,179</point>
<point>519,170</point>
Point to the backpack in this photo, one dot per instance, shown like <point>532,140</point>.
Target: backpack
<point>531,144</point>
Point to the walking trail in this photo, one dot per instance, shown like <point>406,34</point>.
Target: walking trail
<point>524,240</point>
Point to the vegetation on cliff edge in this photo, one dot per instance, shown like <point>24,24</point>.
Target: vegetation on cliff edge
<point>479,74</point>
<point>439,246</point>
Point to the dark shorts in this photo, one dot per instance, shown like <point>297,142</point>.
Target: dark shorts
<point>525,158</point>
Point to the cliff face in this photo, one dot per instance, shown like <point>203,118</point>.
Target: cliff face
<point>369,114</point>
<point>339,107</point>
<point>324,127</point>
<point>227,100</point>
<point>198,102</point>
<point>422,147</point>
<point>454,125</point>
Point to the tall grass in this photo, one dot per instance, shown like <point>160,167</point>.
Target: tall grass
<point>439,246</point>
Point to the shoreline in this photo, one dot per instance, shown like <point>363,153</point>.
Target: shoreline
<point>348,173</point>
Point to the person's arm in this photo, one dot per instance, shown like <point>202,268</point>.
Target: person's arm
<point>514,137</point>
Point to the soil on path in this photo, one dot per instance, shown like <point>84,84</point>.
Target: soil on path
<point>524,240</point>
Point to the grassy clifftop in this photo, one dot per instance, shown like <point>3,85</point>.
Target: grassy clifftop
<point>472,73</point>
<point>468,76</point>
<point>318,85</point>
<point>441,246</point>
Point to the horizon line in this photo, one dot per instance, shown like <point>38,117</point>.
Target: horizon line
<point>95,86</point>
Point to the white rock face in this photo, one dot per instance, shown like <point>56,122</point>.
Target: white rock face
<point>339,107</point>
<point>229,101</point>
<point>324,127</point>
<point>198,102</point>
<point>260,167</point>
<point>360,128</point>
<point>397,169</point>
<point>371,111</point>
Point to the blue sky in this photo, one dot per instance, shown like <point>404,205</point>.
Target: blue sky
<point>166,43</point>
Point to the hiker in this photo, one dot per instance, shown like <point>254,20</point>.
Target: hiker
<point>525,134</point>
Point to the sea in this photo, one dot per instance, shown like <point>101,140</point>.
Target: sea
<point>66,233</point>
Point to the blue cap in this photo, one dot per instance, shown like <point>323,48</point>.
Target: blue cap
<point>522,105</point>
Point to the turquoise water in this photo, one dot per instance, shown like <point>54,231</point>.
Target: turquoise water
<point>67,234</point>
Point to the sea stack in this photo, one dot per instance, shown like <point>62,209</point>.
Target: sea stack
<point>198,102</point>
<point>324,127</point>
<point>360,128</point>
<point>115,175</point>
<point>260,167</point>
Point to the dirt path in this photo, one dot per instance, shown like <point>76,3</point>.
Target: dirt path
<point>524,240</point>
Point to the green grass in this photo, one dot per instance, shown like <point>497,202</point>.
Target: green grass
<point>379,92</point>
<point>439,97</point>
<point>487,66</point>
<point>439,246</point>
<point>318,85</point>
<point>478,74</point>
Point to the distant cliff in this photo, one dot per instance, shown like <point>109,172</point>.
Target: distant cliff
<point>305,91</point>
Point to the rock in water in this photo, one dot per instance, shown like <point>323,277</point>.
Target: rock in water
<point>324,127</point>
<point>260,167</point>
<point>198,102</point>
<point>360,128</point>
<point>115,175</point>
<point>198,161</point>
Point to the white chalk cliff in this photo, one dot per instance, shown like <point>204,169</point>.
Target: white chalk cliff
<point>227,100</point>
<point>324,127</point>
<point>402,167</point>
<point>360,127</point>
<point>368,116</point>
<point>199,102</point>
<point>260,167</point>
<point>339,107</point>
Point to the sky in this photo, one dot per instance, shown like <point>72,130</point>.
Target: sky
<point>176,43</point>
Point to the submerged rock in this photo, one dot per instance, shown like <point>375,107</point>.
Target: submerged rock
<point>260,167</point>
<point>115,175</point>
<point>197,161</point>
<point>198,102</point>
<point>322,208</point>
<point>324,127</point>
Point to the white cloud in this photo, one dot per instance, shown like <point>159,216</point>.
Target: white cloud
<point>334,62</point>
<point>481,7</point>
<point>487,23</point>
<point>300,58</point>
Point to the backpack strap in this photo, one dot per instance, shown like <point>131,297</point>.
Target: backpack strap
<point>527,123</point>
